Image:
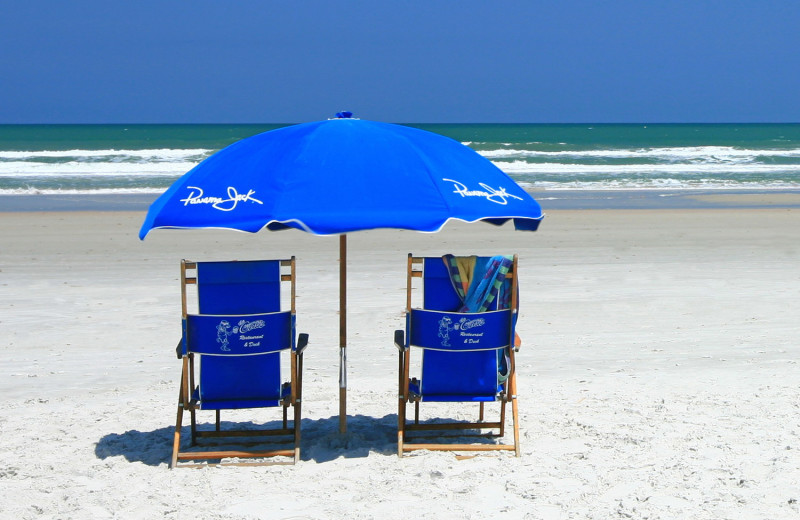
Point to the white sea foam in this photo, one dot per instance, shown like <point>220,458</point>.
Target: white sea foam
<point>149,171</point>
<point>74,169</point>
<point>694,153</point>
<point>658,184</point>
<point>99,191</point>
<point>161,154</point>
<point>99,163</point>
<point>523,167</point>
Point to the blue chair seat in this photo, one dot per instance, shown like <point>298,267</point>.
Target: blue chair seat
<point>237,404</point>
<point>413,388</point>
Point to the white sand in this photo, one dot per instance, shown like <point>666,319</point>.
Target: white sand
<point>658,376</point>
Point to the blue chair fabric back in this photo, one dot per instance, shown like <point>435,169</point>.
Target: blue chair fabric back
<point>249,287</point>
<point>437,290</point>
<point>239,288</point>
<point>446,374</point>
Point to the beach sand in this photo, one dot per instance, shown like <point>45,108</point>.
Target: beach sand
<point>658,376</point>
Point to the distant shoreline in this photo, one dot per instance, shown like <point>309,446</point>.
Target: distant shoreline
<point>667,199</point>
<point>549,199</point>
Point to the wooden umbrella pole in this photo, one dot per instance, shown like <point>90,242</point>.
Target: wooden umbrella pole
<point>343,333</point>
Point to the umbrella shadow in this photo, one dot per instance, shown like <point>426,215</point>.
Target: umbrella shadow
<point>320,440</point>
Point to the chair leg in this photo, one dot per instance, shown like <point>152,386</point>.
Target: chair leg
<point>297,404</point>
<point>416,412</point>
<point>401,425</point>
<point>512,389</point>
<point>515,415</point>
<point>176,443</point>
<point>480,415</point>
<point>296,425</point>
<point>218,422</point>
<point>194,426</point>
<point>402,397</point>
<point>502,416</point>
<point>285,414</point>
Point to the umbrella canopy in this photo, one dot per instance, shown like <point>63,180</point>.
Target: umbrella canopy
<point>342,175</point>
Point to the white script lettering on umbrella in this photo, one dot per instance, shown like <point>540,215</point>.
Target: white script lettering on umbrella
<point>234,197</point>
<point>499,195</point>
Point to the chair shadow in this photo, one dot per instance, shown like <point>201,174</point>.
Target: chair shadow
<point>152,448</point>
<point>320,440</point>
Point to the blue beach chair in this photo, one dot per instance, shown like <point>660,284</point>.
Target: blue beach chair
<point>465,356</point>
<point>238,336</point>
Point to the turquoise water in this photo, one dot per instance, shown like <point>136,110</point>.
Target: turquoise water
<point>62,159</point>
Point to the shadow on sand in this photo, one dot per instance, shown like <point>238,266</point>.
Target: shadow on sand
<point>320,440</point>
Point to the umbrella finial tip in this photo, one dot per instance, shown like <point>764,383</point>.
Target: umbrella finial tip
<point>344,115</point>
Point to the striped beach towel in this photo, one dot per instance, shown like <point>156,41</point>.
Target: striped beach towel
<point>478,292</point>
<point>479,282</point>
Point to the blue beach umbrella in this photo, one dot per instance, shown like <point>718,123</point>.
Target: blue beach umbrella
<point>342,175</point>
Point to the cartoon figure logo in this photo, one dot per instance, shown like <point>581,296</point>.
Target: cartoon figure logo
<point>445,326</point>
<point>245,331</point>
<point>469,330</point>
<point>223,331</point>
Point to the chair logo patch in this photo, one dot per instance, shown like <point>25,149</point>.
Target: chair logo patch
<point>245,331</point>
<point>469,330</point>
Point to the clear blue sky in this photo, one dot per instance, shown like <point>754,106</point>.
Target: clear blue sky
<point>265,61</point>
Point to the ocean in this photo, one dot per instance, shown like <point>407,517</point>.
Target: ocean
<point>146,159</point>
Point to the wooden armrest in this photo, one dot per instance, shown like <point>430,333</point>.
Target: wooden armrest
<point>302,343</point>
<point>400,339</point>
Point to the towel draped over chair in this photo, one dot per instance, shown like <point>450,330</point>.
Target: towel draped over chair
<point>465,330</point>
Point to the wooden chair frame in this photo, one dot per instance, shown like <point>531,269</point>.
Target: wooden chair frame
<point>406,429</point>
<point>186,402</point>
